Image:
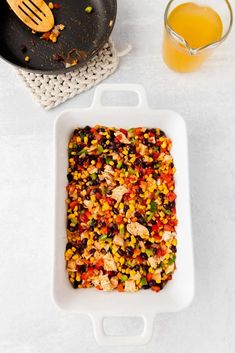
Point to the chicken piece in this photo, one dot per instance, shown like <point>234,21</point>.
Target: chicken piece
<point>157,277</point>
<point>130,286</point>
<point>123,139</point>
<point>107,175</point>
<point>114,282</point>
<point>167,236</point>
<point>71,265</point>
<point>88,204</point>
<point>170,268</point>
<point>118,240</point>
<point>136,277</point>
<point>153,262</point>
<point>118,193</point>
<point>92,169</point>
<point>109,263</point>
<point>142,149</point>
<point>105,283</point>
<point>136,228</point>
<point>91,148</point>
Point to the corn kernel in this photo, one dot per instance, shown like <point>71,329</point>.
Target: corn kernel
<point>122,260</point>
<point>174,241</point>
<point>93,198</point>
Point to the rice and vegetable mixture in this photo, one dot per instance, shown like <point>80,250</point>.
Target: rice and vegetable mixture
<point>121,214</point>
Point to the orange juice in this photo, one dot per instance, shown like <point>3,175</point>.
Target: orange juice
<point>198,26</point>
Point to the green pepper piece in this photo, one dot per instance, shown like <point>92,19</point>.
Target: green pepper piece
<point>153,206</point>
<point>124,278</point>
<point>131,171</point>
<point>119,165</point>
<point>150,216</point>
<point>99,149</point>
<point>149,252</point>
<point>93,176</point>
<point>74,221</point>
<point>172,260</point>
<point>103,237</point>
<point>143,281</point>
<point>107,159</point>
<point>167,211</point>
<point>83,151</point>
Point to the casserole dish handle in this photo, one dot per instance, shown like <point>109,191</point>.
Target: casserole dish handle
<point>103,339</point>
<point>138,89</point>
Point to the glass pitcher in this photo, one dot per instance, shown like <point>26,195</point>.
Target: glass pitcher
<point>188,43</point>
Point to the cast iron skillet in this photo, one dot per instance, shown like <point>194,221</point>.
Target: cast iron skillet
<point>87,33</point>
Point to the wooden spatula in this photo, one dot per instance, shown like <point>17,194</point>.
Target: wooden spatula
<point>34,13</point>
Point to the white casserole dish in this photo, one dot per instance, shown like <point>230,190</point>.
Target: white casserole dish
<point>179,292</point>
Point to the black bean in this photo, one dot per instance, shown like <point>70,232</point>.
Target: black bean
<point>155,175</point>
<point>69,246</point>
<point>152,283</point>
<point>76,132</point>
<point>146,286</point>
<point>82,268</point>
<point>172,204</point>
<point>79,249</point>
<point>84,242</point>
<point>80,208</point>
<point>87,129</point>
<point>162,196</point>
<point>145,268</point>
<point>144,256</point>
<point>115,211</point>
<point>69,177</point>
<point>113,228</point>
<point>138,237</point>
<point>92,251</point>
<point>121,252</point>
<point>174,248</point>
<point>87,197</point>
<point>138,215</point>
<point>148,243</point>
<point>23,49</point>
<point>94,182</point>
<point>136,267</point>
<point>103,251</point>
<point>154,251</point>
<point>129,250</point>
<point>162,133</point>
<point>75,284</point>
<point>96,236</point>
<point>72,228</point>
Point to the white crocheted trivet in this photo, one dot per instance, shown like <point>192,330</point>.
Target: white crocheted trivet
<point>52,90</point>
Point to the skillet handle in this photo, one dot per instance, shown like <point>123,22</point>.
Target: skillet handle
<point>136,88</point>
<point>103,339</point>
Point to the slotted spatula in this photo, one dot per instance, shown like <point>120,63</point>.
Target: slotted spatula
<point>36,14</point>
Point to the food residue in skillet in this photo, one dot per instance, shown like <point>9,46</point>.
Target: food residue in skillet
<point>54,33</point>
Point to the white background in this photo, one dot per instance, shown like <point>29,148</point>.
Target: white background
<point>30,322</point>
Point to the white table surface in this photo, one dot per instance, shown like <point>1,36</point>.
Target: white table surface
<point>30,322</point>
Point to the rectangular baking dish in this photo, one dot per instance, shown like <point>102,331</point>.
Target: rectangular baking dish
<point>179,292</point>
